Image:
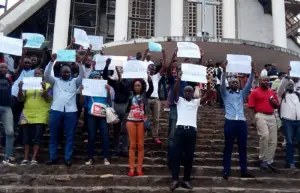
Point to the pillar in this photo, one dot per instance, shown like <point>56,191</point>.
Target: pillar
<point>162,18</point>
<point>228,19</point>
<point>61,26</point>
<point>176,19</point>
<point>279,23</point>
<point>121,20</point>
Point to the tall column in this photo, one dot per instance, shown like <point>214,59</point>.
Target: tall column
<point>121,20</point>
<point>162,18</point>
<point>228,19</point>
<point>61,26</point>
<point>279,23</point>
<point>176,18</point>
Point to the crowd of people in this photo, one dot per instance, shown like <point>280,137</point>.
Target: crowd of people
<point>274,103</point>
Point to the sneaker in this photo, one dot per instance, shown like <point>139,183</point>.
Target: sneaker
<point>9,161</point>
<point>264,165</point>
<point>106,162</point>
<point>166,109</point>
<point>89,162</point>
<point>33,162</point>
<point>273,167</point>
<point>25,162</point>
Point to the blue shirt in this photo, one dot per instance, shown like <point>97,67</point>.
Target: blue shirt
<point>171,81</point>
<point>234,101</point>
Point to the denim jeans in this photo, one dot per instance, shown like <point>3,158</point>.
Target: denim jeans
<point>93,124</point>
<point>171,131</point>
<point>291,130</point>
<point>239,130</point>
<point>69,120</point>
<point>8,124</point>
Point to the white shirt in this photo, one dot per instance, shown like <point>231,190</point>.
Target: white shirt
<point>64,92</point>
<point>187,112</point>
<point>290,107</point>
<point>155,79</point>
<point>15,87</point>
<point>264,72</point>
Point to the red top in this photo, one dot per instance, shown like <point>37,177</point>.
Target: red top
<point>259,99</point>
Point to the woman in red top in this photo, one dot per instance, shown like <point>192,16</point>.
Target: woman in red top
<point>137,110</point>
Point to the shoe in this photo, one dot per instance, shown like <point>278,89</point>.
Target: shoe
<point>247,175</point>
<point>174,185</point>
<point>226,176</point>
<point>9,161</point>
<point>106,162</point>
<point>89,162</point>
<point>139,173</point>
<point>33,162</point>
<point>68,163</point>
<point>157,141</point>
<point>131,174</point>
<point>187,185</point>
<point>51,162</point>
<point>264,165</point>
<point>25,162</point>
<point>273,167</point>
<point>166,109</point>
<point>291,166</point>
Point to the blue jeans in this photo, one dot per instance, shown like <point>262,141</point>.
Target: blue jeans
<point>69,120</point>
<point>93,124</point>
<point>171,131</point>
<point>8,124</point>
<point>291,130</point>
<point>235,129</point>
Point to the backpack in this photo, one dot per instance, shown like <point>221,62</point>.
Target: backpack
<point>283,98</point>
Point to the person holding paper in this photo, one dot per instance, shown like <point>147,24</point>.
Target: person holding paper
<point>154,102</point>
<point>7,115</point>
<point>121,88</point>
<point>63,109</point>
<point>235,125</point>
<point>262,102</point>
<point>34,118</point>
<point>186,133</point>
<point>290,114</point>
<point>137,118</point>
<point>97,119</point>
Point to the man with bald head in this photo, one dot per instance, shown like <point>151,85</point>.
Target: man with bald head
<point>290,116</point>
<point>185,133</point>
<point>6,114</point>
<point>235,125</point>
<point>262,102</point>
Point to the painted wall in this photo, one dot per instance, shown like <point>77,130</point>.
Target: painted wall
<point>253,24</point>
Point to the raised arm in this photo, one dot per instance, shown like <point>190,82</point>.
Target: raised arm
<point>151,88</point>
<point>169,69</point>
<point>283,83</point>
<point>21,95</point>
<point>208,93</point>
<point>176,87</point>
<point>71,43</point>
<point>110,81</point>
<point>223,88</point>
<point>80,75</point>
<point>21,63</point>
<point>164,66</point>
<point>87,53</point>
<point>247,88</point>
<point>145,54</point>
<point>47,74</point>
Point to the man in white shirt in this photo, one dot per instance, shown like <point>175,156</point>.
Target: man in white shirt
<point>185,133</point>
<point>154,102</point>
<point>265,71</point>
<point>63,109</point>
<point>290,116</point>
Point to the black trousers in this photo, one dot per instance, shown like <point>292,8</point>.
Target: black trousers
<point>184,142</point>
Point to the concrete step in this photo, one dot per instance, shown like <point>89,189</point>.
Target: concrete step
<point>140,189</point>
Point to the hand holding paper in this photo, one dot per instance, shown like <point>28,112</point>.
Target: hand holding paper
<point>32,83</point>
<point>295,69</point>
<point>91,87</point>
<point>154,47</point>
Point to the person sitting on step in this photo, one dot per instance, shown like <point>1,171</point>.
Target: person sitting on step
<point>185,133</point>
<point>235,125</point>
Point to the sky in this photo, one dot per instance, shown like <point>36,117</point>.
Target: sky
<point>10,3</point>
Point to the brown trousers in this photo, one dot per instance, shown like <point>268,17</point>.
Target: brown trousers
<point>154,106</point>
<point>136,133</point>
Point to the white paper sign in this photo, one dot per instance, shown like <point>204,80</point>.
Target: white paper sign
<point>295,69</point>
<point>134,69</point>
<point>11,46</point>
<point>193,73</point>
<point>92,87</point>
<point>239,63</point>
<point>188,50</point>
<point>118,60</point>
<point>81,37</point>
<point>32,83</point>
<point>96,42</point>
<point>101,62</point>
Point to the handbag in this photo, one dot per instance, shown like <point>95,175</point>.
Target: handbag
<point>146,121</point>
<point>111,115</point>
<point>98,109</point>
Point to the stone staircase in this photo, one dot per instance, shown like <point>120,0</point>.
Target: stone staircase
<point>207,169</point>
